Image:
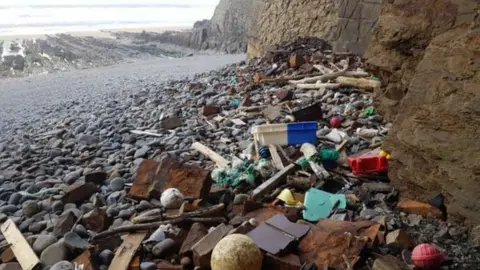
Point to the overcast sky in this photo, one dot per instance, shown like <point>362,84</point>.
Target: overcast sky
<point>109,2</point>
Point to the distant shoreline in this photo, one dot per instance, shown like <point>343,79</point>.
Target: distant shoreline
<point>100,33</point>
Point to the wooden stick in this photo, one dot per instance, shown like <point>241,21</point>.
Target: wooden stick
<point>331,76</point>
<point>24,254</point>
<point>287,78</point>
<point>155,225</point>
<point>218,159</point>
<point>273,182</point>
<point>126,251</point>
<point>140,132</point>
<point>277,161</point>
<point>323,69</point>
<point>359,83</point>
<point>318,86</point>
<point>210,211</point>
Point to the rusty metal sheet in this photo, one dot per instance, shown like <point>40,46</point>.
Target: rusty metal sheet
<point>144,180</point>
<point>328,240</point>
<point>83,261</point>
<point>287,262</point>
<point>311,113</point>
<point>155,177</point>
<point>191,180</point>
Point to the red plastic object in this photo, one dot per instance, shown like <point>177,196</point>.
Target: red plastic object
<point>427,256</point>
<point>335,122</point>
<point>369,163</point>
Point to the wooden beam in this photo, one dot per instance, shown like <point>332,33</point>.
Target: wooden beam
<point>361,83</point>
<point>331,76</point>
<point>273,182</point>
<point>26,257</point>
<point>215,157</point>
<point>277,161</point>
<point>125,253</point>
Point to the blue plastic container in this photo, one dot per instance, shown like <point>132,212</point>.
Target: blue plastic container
<point>302,132</point>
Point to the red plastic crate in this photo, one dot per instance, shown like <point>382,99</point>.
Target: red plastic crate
<point>369,163</point>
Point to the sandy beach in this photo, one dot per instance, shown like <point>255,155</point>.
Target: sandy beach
<point>101,33</point>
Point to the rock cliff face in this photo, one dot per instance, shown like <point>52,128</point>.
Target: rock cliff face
<point>347,24</point>
<point>227,30</point>
<point>428,56</point>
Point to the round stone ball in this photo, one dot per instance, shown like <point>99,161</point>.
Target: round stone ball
<point>172,198</point>
<point>236,252</point>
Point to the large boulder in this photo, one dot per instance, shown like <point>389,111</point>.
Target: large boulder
<point>428,56</point>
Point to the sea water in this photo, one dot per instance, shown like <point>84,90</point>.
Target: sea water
<point>27,17</point>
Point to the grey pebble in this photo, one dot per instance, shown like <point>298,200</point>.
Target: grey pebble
<point>117,184</point>
<point>148,266</point>
<point>62,265</point>
<point>55,253</point>
<point>106,256</point>
<point>30,208</point>
<point>163,248</point>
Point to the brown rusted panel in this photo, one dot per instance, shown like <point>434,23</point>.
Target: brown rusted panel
<point>328,240</point>
<point>144,180</point>
<point>191,180</point>
<point>84,260</point>
<point>287,262</point>
<point>310,113</point>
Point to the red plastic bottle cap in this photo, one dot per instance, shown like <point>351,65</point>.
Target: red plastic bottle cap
<point>335,122</point>
<point>426,256</point>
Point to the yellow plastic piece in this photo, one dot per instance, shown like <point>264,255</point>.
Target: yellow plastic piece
<point>385,154</point>
<point>286,196</point>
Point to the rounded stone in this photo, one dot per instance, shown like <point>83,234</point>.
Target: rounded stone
<point>62,265</point>
<point>30,208</point>
<point>54,253</point>
<point>172,198</point>
<point>186,261</point>
<point>106,256</point>
<point>58,206</point>
<point>14,198</point>
<point>236,252</point>
<point>117,184</point>
<point>148,266</point>
<point>42,242</point>
<point>163,247</point>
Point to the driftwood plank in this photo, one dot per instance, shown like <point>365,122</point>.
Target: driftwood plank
<point>125,253</point>
<point>273,182</point>
<point>215,157</point>
<point>26,257</point>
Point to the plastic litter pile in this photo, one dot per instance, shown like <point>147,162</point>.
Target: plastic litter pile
<point>286,172</point>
